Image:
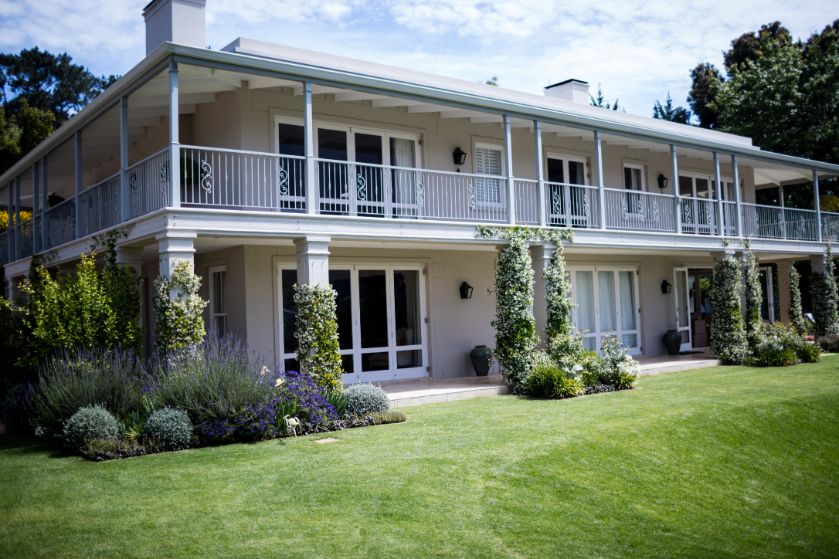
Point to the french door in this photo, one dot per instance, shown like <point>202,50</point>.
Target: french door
<point>567,206</point>
<point>767,305</point>
<point>606,305</point>
<point>381,320</point>
<point>682,306</point>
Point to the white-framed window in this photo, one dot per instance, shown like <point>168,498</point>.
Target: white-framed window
<point>218,300</point>
<point>633,179</point>
<point>488,161</point>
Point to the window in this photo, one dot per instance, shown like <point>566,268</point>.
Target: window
<point>633,179</point>
<point>218,301</point>
<point>488,162</point>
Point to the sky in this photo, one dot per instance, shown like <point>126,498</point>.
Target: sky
<point>636,50</point>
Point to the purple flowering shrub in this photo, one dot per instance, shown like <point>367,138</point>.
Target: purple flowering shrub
<point>294,395</point>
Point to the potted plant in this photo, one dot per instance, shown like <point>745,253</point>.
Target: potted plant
<point>481,357</point>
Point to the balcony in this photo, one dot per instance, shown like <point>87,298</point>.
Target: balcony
<point>213,178</point>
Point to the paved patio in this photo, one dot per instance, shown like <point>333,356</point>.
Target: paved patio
<point>427,391</point>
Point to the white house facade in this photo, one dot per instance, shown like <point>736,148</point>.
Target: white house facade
<point>266,165</point>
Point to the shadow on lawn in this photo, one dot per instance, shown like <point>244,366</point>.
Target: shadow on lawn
<point>11,444</point>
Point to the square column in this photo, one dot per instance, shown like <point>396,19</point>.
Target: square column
<point>312,260</point>
<point>783,289</point>
<point>175,247</point>
<point>508,163</point>
<point>131,256</point>
<point>540,255</point>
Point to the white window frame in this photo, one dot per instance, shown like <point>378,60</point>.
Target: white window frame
<point>476,145</point>
<point>211,306</point>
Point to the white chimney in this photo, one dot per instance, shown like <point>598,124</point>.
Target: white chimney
<point>570,90</point>
<point>176,21</point>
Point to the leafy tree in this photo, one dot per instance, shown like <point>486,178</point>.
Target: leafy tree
<point>600,100</point>
<point>705,82</point>
<point>668,112</point>
<point>492,81</point>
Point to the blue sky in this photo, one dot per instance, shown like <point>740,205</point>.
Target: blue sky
<point>637,50</point>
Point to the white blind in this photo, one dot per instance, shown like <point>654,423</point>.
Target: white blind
<point>488,162</point>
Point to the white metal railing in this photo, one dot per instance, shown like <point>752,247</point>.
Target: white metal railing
<point>830,226</point>
<point>24,239</point>
<point>699,215</point>
<point>527,201</point>
<point>60,223</point>
<point>729,218</point>
<point>99,206</point>
<point>148,184</point>
<point>4,247</point>
<point>572,205</point>
<point>639,211</point>
<point>773,222</point>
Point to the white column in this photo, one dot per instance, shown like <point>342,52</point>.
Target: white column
<point>174,139</point>
<point>312,260</point>
<point>674,178</point>
<point>817,205</point>
<point>783,289</point>
<point>598,167</point>
<point>540,174</point>
<point>45,204</point>
<point>540,255</point>
<point>718,189</point>
<point>735,172</point>
<point>78,183</point>
<point>309,150</point>
<point>511,183</point>
<point>124,201</point>
<point>36,180</point>
<point>174,247</point>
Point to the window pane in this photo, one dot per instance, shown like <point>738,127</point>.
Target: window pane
<point>576,173</point>
<point>584,291</point>
<point>340,280</point>
<point>686,186</point>
<point>627,293</point>
<point>291,139</point>
<point>219,292</point>
<point>332,144</point>
<point>374,361</point>
<point>372,295</point>
<point>408,359</point>
<point>555,171</point>
<point>347,364</point>
<point>291,365</point>
<point>288,279</point>
<point>629,340</point>
<point>407,312</point>
<point>606,299</point>
<point>220,326</point>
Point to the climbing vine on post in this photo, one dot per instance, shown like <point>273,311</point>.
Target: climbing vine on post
<point>179,324</point>
<point>754,299</point>
<point>318,350</point>
<point>796,316</point>
<point>123,287</point>
<point>728,337</point>
<point>558,295</point>
<point>825,304</point>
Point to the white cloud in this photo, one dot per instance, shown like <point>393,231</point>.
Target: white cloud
<point>637,49</point>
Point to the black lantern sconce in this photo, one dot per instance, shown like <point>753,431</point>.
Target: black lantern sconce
<point>663,182</point>
<point>466,290</point>
<point>458,156</point>
<point>666,287</point>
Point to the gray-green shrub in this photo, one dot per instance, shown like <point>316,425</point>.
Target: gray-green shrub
<point>170,428</point>
<point>365,399</point>
<point>73,380</point>
<point>547,380</point>
<point>89,423</point>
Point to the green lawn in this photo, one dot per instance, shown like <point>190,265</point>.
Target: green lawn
<point>724,462</point>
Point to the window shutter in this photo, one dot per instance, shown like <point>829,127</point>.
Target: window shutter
<point>488,162</point>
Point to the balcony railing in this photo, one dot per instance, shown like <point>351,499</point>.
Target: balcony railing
<point>247,180</point>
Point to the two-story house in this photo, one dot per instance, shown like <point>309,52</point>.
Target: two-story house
<point>266,165</point>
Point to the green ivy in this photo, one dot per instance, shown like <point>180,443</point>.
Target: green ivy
<point>728,337</point>
<point>178,308</point>
<point>317,334</point>
<point>754,299</point>
<point>825,304</point>
<point>558,295</point>
<point>515,327</point>
<point>796,316</point>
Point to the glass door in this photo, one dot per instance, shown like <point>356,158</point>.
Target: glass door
<point>606,306</point>
<point>682,305</point>
<point>767,305</point>
<point>369,175</point>
<point>291,182</point>
<point>332,174</point>
<point>407,190</point>
<point>567,206</point>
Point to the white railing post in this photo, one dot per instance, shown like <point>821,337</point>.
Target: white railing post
<point>818,206</point>
<point>540,174</point>
<point>174,139</point>
<point>78,183</point>
<point>45,203</point>
<point>124,201</point>
<point>674,172</point>
<point>735,176</point>
<point>511,185</point>
<point>10,239</point>
<point>18,243</point>
<point>718,187</point>
<point>598,166</point>
<point>36,180</point>
<point>309,150</point>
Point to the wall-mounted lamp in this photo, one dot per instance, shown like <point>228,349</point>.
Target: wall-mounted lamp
<point>665,287</point>
<point>466,290</point>
<point>458,156</point>
<point>662,182</point>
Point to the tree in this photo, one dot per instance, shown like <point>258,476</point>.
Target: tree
<point>492,81</point>
<point>705,82</point>
<point>600,100</point>
<point>669,112</point>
